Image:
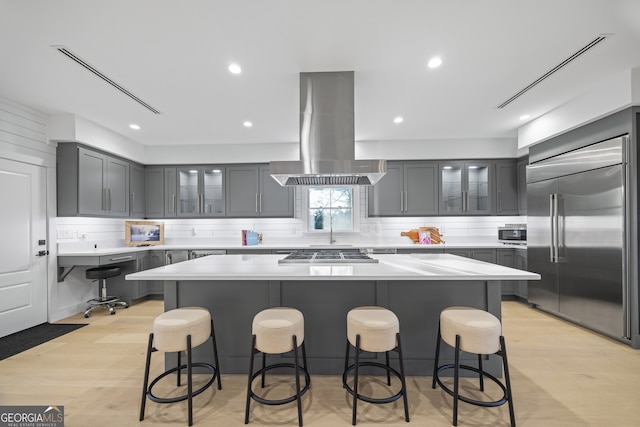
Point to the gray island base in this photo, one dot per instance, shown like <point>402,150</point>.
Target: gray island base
<point>415,287</point>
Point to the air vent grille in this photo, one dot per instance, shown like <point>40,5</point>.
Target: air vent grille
<point>328,180</point>
<point>555,69</point>
<point>92,69</point>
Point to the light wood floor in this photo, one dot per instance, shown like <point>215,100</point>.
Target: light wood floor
<point>562,375</point>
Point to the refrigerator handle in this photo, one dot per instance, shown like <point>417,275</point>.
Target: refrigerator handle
<point>553,210</point>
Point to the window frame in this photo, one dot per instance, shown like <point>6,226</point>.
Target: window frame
<point>355,211</point>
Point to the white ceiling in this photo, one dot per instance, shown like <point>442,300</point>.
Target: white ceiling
<point>174,55</point>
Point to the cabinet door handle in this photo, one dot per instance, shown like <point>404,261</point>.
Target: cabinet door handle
<point>108,199</point>
<point>120,258</point>
<point>257,203</point>
<point>133,202</point>
<point>401,201</point>
<point>260,204</point>
<point>104,199</point>
<point>499,201</point>
<point>173,203</point>
<point>406,202</point>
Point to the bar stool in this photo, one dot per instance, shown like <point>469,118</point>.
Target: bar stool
<point>101,274</point>
<point>276,331</point>
<point>478,332</point>
<point>376,330</point>
<point>180,330</point>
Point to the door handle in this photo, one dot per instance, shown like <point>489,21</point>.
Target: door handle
<point>42,253</point>
<point>553,214</point>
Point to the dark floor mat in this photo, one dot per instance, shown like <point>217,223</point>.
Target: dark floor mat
<point>29,338</point>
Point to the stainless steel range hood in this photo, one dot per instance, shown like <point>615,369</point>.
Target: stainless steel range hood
<point>327,137</point>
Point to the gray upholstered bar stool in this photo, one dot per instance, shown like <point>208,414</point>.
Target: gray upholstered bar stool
<point>101,274</point>
<point>474,331</point>
<point>376,330</point>
<point>276,331</point>
<point>180,330</point>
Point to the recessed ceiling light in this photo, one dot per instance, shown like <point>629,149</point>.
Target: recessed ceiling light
<point>434,62</point>
<point>524,117</point>
<point>247,124</point>
<point>235,69</point>
<point>398,120</point>
<point>134,126</point>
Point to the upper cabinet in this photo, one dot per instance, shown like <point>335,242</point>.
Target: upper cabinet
<point>407,189</point>
<point>154,191</point>
<point>522,185</point>
<point>506,187</point>
<point>137,191</point>
<point>200,191</point>
<point>92,183</point>
<point>466,188</point>
<point>252,192</point>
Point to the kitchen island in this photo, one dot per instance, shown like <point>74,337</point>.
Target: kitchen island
<point>416,287</point>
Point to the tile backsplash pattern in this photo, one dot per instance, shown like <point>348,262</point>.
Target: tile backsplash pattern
<point>72,231</point>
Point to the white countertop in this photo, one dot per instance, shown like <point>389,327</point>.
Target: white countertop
<point>389,267</point>
<point>103,251</point>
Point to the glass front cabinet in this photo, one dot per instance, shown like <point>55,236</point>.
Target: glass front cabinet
<point>200,191</point>
<point>465,188</point>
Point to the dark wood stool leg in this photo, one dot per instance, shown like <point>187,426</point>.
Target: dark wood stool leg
<point>355,381</point>
<point>456,381</point>
<point>215,355</point>
<point>189,381</point>
<point>402,379</point>
<point>481,377</point>
<point>507,380</point>
<point>145,382</point>
<point>435,362</point>
<point>296,365</point>
<point>249,392</point>
<point>388,372</point>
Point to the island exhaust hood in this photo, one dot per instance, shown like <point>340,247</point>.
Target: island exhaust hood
<point>327,136</point>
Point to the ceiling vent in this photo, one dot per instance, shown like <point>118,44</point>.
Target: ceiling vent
<point>591,44</point>
<point>89,67</point>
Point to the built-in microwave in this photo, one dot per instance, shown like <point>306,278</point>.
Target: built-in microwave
<point>515,234</point>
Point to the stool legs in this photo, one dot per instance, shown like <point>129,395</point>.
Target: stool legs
<point>356,368</point>
<point>146,388</point>
<point>295,365</point>
<point>502,352</point>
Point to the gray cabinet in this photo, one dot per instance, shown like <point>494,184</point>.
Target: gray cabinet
<point>466,188</point>
<point>506,187</point>
<point>170,192</point>
<point>407,189</point>
<point>200,191</point>
<point>481,254</point>
<point>91,182</point>
<point>251,192</point>
<point>155,287</point>
<point>507,258</point>
<point>137,191</point>
<point>514,258</point>
<point>154,191</point>
<point>522,185</point>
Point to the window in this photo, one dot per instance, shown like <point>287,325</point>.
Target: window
<point>330,208</point>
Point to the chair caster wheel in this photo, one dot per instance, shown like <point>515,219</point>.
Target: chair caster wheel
<point>87,315</point>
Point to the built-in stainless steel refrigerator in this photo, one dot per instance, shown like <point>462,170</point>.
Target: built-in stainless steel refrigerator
<point>577,236</point>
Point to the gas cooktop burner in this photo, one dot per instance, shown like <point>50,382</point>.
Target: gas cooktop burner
<point>327,256</point>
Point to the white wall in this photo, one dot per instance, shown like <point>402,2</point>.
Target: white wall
<point>614,93</point>
<point>24,138</point>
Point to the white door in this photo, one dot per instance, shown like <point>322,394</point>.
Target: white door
<point>23,228</point>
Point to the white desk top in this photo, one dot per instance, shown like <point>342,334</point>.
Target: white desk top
<point>389,267</point>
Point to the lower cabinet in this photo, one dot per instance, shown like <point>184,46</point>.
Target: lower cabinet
<point>155,287</point>
<point>486,255</point>
<point>514,258</point>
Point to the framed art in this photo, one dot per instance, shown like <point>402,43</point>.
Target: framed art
<point>143,233</point>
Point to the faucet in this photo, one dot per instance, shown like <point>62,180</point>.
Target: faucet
<point>331,240</point>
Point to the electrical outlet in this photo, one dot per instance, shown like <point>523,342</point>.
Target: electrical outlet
<point>65,234</point>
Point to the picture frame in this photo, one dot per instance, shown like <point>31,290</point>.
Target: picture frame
<point>143,233</point>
